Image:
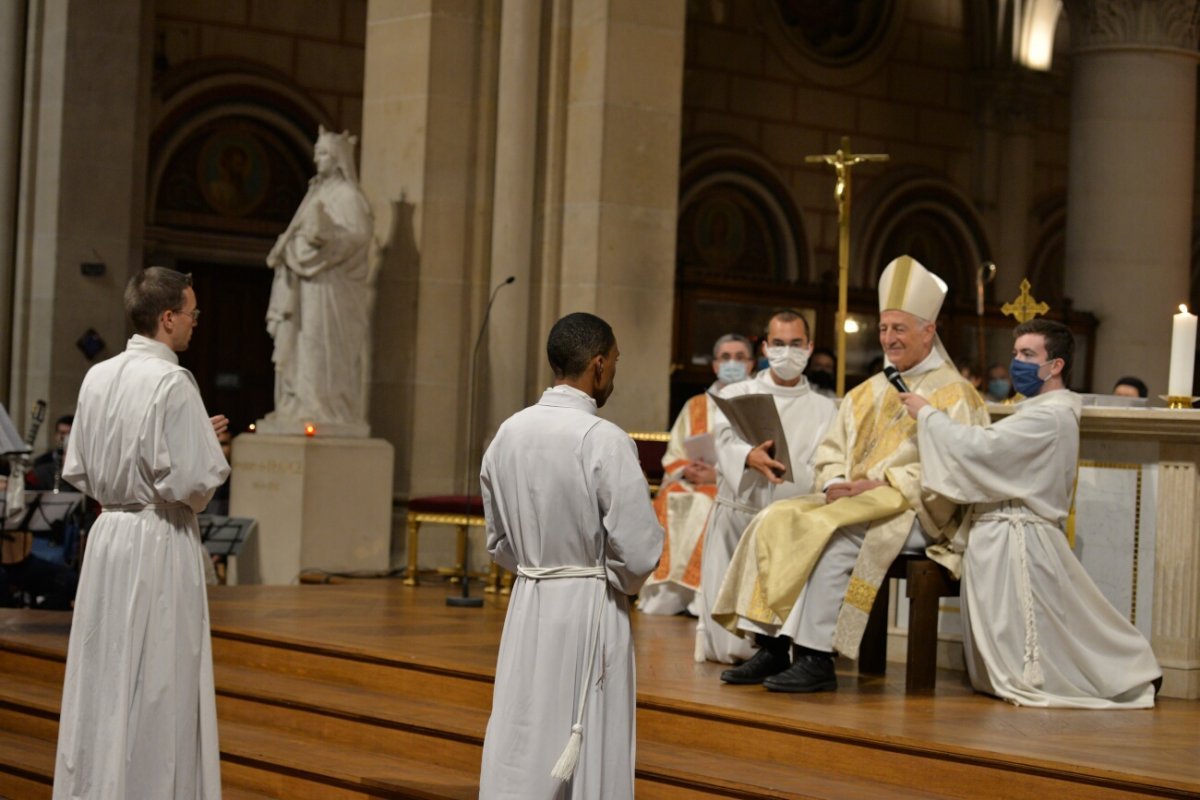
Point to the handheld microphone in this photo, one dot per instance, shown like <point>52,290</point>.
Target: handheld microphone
<point>893,376</point>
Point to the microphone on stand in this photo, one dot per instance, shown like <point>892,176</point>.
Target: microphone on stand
<point>893,376</point>
<point>465,600</point>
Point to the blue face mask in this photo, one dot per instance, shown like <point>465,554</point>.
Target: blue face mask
<point>998,387</point>
<point>732,371</point>
<point>1025,377</point>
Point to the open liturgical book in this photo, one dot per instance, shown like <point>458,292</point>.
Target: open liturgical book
<point>755,419</point>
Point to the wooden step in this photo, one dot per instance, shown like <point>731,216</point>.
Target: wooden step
<point>355,669</point>
<point>25,761</point>
<point>304,767</point>
<point>438,713</point>
<point>859,758</point>
<point>701,773</point>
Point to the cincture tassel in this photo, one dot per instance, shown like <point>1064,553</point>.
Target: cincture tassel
<point>564,768</point>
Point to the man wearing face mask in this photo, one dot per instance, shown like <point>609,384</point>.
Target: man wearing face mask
<point>746,471</point>
<point>567,510</point>
<point>1036,630</point>
<point>686,495</point>
<point>998,385</point>
<point>805,576</point>
<point>46,473</point>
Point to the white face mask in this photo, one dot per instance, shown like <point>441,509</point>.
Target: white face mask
<point>732,371</point>
<point>787,362</point>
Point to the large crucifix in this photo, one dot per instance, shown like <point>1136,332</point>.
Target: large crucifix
<point>842,161</point>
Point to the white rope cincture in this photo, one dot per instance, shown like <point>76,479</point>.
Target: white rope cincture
<point>565,766</point>
<point>734,504</point>
<point>133,508</point>
<point>1032,672</point>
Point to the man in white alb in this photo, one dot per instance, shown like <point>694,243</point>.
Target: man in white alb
<point>568,511</point>
<point>139,711</point>
<point>685,497</point>
<point>1036,630</point>
<point>746,473</point>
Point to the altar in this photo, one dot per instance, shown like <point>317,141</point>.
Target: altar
<point>1136,531</point>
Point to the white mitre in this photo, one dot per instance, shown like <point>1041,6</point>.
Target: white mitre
<point>906,285</point>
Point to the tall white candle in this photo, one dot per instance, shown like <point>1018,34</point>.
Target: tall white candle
<point>1183,354</point>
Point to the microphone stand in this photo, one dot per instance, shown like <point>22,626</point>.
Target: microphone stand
<point>465,600</point>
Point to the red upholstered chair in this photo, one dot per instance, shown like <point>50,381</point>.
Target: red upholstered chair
<point>456,510</point>
<point>651,448</point>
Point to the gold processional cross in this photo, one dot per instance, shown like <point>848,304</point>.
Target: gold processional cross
<point>842,161</point>
<point>1024,307</point>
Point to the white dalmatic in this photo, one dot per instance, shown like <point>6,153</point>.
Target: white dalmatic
<point>563,488</point>
<point>139,710</point>
<point>743,492</point>
<point>1037,631</point>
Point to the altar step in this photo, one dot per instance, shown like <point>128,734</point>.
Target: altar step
<point>306,721</point>
<point>346,680</point>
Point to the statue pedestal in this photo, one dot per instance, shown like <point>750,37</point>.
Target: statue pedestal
<point>321,503</point>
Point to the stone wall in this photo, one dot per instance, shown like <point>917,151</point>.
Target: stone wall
<point>316,44</point>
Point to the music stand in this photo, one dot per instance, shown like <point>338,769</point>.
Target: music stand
<point>44,508</point>
<point>225,537</point>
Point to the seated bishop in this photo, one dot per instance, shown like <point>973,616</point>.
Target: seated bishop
<point>689,486</point>
<point>804,577</point>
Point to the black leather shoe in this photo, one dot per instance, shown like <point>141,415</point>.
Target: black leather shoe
<point>763,664</point>
<point>807,673</point>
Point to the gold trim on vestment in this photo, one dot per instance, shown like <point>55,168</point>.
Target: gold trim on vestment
<point>899,287</point>
<point>861,595</point>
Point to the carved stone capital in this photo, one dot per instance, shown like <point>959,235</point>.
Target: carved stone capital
<point>1104,24</point>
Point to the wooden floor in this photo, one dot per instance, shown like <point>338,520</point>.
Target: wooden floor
<point>376,689</point>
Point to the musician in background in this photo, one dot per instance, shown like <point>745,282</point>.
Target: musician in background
<point>46,473</point>
<point>26,579</point>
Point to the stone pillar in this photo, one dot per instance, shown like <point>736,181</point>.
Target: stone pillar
<point>1011,99</point>
<point>510,380</point>
<point>1129,194</point>
<point>620,189</point>
<point>426,169</point>
<point>12,80</point>
<point>83,146</point>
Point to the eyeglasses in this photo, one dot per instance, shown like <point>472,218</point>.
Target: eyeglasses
<point>194,314</point>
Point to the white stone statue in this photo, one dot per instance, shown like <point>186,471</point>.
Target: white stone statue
<point>320,301</point>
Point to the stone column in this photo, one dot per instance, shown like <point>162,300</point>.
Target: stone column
<point>83,146</point>
<point>12,80</point>
<point>1010,100</point>
<point>426,170</point>
<point>512,358</point>
<point>1129,194</point>
<point>620,187</point>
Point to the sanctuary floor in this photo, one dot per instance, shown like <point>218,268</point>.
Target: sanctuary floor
<point>382,623</point>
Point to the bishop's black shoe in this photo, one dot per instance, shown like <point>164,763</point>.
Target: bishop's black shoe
<point>766,662</point>
<point>808,673</point>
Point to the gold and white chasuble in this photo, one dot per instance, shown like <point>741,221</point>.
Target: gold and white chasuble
<point>873,438</point>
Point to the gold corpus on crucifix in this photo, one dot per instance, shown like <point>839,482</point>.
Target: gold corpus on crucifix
<point>1024,307</point>
<point>842,161</point>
